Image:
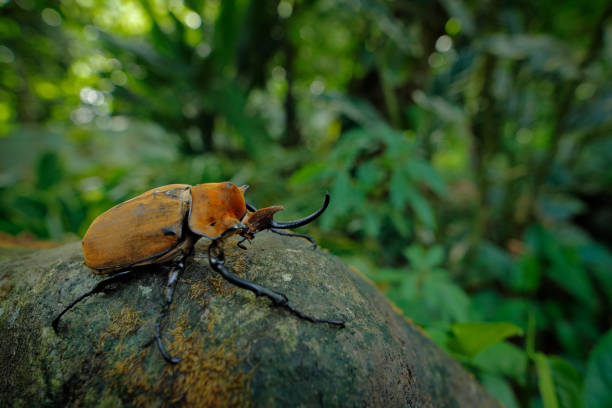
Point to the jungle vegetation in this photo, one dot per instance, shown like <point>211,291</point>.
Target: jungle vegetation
<point>465,144</point>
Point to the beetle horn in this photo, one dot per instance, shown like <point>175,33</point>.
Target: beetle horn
<point>305,220</point>
<point>261,219</point>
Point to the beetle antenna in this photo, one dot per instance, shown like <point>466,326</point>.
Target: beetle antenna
<point>305,220</point>
<point>99,287</point>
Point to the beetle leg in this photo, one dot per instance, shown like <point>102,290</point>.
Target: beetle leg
<point>96,289</point>
<point>240,245</point>
<point>173,278</point>
<point>216,258</point>
<point>293,234</point>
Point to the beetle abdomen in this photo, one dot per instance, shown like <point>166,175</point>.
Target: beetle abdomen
<point>145,227</point>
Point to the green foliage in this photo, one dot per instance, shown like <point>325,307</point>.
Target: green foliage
<point>470,338</point>
<point>546,382</point>
<point>465,146</point>
<point>598,381</point>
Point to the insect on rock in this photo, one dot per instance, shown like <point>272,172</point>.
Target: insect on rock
<point>161,226</point>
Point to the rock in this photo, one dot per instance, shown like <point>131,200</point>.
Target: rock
<point>237,349</point>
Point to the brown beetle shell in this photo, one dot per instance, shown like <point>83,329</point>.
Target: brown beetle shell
<point>149,228</point>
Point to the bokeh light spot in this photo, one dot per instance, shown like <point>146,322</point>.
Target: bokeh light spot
<point>444,43</point>
<point>453,26</point>
<point>193,20</point>
<point>6,55</point>
<point>317,87</point>
<point>51,17</point>
<point>118,77</point>
<point>46,90</point>
<point>284,9</point>
<point>203,50</point>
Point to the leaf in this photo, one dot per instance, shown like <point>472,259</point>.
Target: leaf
<point>544,53</point>
<point>226,32</point>
<point>566,268</point>
<point>420,206</point>
<point>49,170</point>
<point>592,114</point>
<point>445,300</point>
<point>598,380</point>
<point>472,337</point>
<point>401,222</point>
<point>416,254</point>
<point>431,298</point>
<point>560,206</point>
<point>494,261</point>
<point>421,170</point>
<point>371,221</point>
<point>500,389</point>
<point>359,110</point>
<point>230,101</point>
<point>345,197</point>
<point>599,258</point>
<point>397,188</point>
<point>309,173</point>
<point>545,381</point>
<point>502,358</point>
<point>445,110</point>
<point>567,271</point>
<point>370,176</point>
<point>568,383</point>
<point>528,274</point>
<point>435,256</point>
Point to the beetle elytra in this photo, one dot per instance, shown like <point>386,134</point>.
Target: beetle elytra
<point>161,226</point>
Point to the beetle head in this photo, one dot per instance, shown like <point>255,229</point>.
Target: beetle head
<point>259,220</point>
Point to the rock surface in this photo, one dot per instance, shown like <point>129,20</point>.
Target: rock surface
<point>237,350</point>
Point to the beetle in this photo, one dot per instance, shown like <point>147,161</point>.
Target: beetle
<point>162,225</point>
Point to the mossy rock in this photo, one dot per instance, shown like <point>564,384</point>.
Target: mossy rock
<point>237,349</point>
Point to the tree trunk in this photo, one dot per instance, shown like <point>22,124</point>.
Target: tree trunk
<point>237,349</point>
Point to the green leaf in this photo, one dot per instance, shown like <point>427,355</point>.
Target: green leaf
<point>472,337</point>
<point>397,188</point>
<point>528,273</point>
<point>545,381</point>
<point>345,198</point>
<point>560,206</point>
<point>227,31</point>
<point>421,170</point>
<point>500,389</point>
<point>598,379</point>
<point>568,383</point>
<point>420,206</point>
<point>370,176</point>
<point>309,173</point>
<point>444,299</point>
<point>49,170</point>
<point>435,256</point>
<point>415,253</point>
<point>559,382</point>
<point>401,223</point>
<point>502,358</point>
<point>599,258</point>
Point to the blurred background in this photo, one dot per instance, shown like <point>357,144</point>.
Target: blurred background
<point>466,146</point>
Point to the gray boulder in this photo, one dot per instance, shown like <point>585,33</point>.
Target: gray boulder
<point>237,349</point>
